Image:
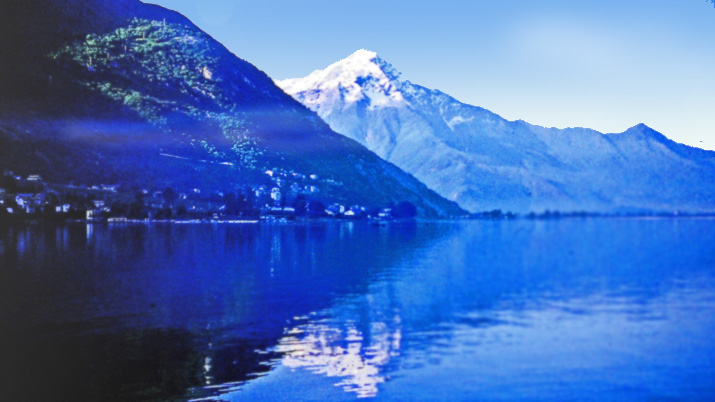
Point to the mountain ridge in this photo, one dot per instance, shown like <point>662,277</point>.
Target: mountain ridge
<point>483,161</point>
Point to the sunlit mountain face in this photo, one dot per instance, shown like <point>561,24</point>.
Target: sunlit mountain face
<point>130,93</point>
<point>484,162</point>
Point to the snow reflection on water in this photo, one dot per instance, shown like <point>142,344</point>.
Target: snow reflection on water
<point>344,353</point>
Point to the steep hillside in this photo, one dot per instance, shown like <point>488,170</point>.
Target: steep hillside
<point>484,162</point>
<point>98,91</point>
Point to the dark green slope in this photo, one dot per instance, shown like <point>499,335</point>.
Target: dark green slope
<point>97,91</point>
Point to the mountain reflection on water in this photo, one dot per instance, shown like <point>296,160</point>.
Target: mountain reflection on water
<point>454,311</point>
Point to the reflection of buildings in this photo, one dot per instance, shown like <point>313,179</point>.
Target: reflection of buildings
<point>358,359</point>
<point>62,238</point>
<point>24,242</point>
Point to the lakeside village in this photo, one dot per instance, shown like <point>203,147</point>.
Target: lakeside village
<point>31,198</point>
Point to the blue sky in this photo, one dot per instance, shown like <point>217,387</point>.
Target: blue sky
<point>606,64</point>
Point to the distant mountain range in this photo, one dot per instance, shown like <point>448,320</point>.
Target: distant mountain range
<point>484,162</point>
<point>122,92</point>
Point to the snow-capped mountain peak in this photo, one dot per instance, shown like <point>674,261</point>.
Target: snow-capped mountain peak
<point>362,76</point>
<point>484,162</point>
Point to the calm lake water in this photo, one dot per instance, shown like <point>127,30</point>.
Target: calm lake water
<point>593,309</point>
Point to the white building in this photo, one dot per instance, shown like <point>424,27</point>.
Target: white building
<point>276,194</point>
<point>62,209</point>
<point>24,200</point>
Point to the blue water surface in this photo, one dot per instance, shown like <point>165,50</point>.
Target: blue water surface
<point>571,309</point>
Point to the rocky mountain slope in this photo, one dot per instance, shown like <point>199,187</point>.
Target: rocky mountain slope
<point>122,92</point>
<point>484,162</point>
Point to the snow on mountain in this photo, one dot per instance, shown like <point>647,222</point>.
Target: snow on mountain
<point>484,162</point>
<point>363,78</point>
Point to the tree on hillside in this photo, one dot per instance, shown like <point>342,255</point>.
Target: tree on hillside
<point>235,203</point>
<point>169,195</point>
<point>316,208</point>
<point>404,209</point>
<point>300,205</point>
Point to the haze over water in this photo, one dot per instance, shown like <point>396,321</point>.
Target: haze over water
<point>594,309</point>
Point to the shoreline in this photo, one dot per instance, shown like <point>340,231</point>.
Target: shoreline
<point>375,222</point>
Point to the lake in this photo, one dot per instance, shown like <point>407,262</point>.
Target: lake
<point>571,309</point>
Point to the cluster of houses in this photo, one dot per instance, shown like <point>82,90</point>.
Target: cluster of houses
<point>299,182</point>
<point>30,195</point>
<point>353,212</point>
<point>33,203</point>
<point>21,196</point>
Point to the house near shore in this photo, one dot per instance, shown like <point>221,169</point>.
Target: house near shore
<point>259,191</point>
<point>279,212</point>
<point>335,210</point>
<point>355,212</point>
<point>276,195</point>
<point>24,199</point>
<point>28,202</point>
<point>62,209</point>
<point>385,213</point>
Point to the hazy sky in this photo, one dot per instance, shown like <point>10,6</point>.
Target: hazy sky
<point>607,64</point>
